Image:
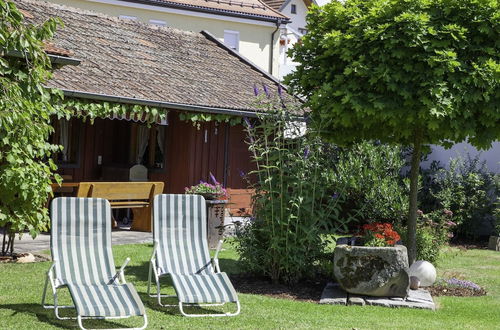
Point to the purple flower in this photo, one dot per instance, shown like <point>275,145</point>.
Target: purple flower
<point>463,284</point>
<point>266,90</point>
<point>420,213</point>
<point>451,223</point>
<point>242,174</point>
<point>212,177</point>
<point>448,213</point>
<point>247,122</point>
<point>255,90</point>
<point>335,196</point>
<point>306,152</point>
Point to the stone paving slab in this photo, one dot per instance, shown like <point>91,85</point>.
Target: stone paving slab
<point>333,294</point>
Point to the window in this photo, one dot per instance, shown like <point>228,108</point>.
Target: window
<point>302,31</point>
<point>232,39</point>
<point>133,18</point>
<point>147,145</point>
<point>293,9</point>
<point>67,134</point>
<point>157,22</point>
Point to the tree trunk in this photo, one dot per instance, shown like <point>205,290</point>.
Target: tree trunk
<point>412,214</point>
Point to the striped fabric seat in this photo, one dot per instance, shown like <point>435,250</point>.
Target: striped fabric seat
<point>180,235</point>
<point>83,260</point>
<point>211,288</point>
<point>109,300</point>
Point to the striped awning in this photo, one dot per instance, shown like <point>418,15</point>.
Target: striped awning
<point>139,117</point>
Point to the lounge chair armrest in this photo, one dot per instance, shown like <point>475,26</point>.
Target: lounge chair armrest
<point>215,260</point>
<point>120,273</point>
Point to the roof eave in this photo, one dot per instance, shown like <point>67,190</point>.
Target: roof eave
<point>159,104</point>
<point>54,59</point>
<point>284,19</point>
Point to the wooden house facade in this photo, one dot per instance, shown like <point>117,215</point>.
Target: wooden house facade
<point>174,71</point>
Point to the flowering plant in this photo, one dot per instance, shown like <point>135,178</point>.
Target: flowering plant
<point>379,234</point>
<point>209,190</point>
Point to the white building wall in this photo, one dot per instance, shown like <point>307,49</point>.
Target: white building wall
<point>254,36</point>
<point>291,34</point>
<point>490,156</point>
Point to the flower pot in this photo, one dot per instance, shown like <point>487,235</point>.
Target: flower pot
<point>372,271</point>
<point>494,243</point>
<point>210,197</point>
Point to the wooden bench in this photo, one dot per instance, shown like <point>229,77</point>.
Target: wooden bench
<point>137,196</point>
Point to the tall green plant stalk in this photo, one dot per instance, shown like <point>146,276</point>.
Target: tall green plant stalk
<point>293,209</point>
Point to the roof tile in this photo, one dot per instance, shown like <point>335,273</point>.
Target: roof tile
<point>135,60</point>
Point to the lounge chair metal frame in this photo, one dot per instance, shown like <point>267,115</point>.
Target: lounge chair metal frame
<point>155,270</point>
<point>118,278</point>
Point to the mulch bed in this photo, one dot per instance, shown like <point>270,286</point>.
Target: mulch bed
<point>440,290</point>
<point>303,291</point>
<point>310,291</point>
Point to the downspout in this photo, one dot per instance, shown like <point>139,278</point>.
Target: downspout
<point>271,62</point>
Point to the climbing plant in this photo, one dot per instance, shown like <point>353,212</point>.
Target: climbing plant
<point>90,109</point>
<point>197,118</point>
<point>26,169</point>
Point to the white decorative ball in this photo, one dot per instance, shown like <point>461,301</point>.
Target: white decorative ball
<point>425,272</point>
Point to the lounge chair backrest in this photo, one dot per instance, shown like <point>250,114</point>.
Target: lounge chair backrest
<point>180,228</point>
<point>81,240</point>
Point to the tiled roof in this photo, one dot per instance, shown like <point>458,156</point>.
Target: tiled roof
<point>275,4</point>
<point>50,48</point>
<point>129,59</point>
<point>252,8</point>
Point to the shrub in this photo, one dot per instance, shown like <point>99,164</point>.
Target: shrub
<point>434,231</point>
<point>370,173</point>
<point>295,201</point>
<point>470,191</point>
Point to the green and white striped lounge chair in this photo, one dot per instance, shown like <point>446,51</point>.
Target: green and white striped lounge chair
<point>83,262</point>
<point>181,251</point>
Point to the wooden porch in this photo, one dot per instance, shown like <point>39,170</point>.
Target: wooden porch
<point>177,155</point>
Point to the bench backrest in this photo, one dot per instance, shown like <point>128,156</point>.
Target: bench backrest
<point>120,190</point>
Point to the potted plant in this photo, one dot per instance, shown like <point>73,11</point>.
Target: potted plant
<point>379,268</point>
<point>209,191</point>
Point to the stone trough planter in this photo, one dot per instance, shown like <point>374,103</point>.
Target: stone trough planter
<point>372,271</point>
<point>494,243</point>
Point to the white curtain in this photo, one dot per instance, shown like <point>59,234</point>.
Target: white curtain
<point>142,142</point>
<point>160,138</point>
<point>64,138</point>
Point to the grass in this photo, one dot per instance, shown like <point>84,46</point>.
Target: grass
<point>21,287</point>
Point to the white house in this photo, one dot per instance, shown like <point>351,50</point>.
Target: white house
<point>249,27</point>
<point>296,10</point>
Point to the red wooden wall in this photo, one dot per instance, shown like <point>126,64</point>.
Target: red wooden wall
<point>191,154</point>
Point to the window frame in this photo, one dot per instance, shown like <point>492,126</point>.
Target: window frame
<point>79,145</point>
<point>158,22</point>
<point>234,33</point>
<point>132,18</point>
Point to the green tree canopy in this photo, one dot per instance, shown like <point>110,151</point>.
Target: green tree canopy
<point>25,107</point>
<point>410,72</point>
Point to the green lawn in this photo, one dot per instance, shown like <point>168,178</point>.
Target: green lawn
<point>21,288</point>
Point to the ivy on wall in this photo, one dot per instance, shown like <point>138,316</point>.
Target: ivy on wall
<point>198,118</point>
<point>90,109</point>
